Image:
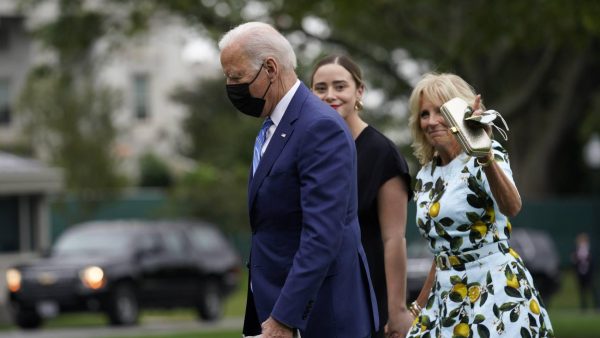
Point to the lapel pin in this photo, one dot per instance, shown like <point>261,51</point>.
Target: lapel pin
<point>283,135</point>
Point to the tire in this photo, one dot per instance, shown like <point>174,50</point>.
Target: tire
<point>123,307</point>
<point>27,319</point>
<point>210,305</point>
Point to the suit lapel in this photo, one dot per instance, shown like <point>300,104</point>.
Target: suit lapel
<point>281,136</point>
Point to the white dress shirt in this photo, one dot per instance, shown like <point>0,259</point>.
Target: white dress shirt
<point>278,112</point>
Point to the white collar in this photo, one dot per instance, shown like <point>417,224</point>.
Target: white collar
<point>283,104</point>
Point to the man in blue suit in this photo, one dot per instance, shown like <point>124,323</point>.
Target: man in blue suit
<point>308,272</point>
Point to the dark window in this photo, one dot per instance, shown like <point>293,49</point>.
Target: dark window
<point>4,101</point>
<point>141,95</point>
<point>5,25</point>
<point>9,226</point>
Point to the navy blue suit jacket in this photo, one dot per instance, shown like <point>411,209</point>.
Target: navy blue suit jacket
<point>307,267</point>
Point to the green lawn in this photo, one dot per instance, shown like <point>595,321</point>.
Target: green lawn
<point>567,319</point>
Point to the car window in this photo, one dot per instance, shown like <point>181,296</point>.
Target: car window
<point>149,242</point>
<point>206,239</point>
<point>94,240</point>
<point>174,243</point>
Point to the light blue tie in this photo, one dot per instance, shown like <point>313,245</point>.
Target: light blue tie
<point>260,141</point>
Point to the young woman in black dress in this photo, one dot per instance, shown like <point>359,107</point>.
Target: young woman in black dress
<point>383,191</point>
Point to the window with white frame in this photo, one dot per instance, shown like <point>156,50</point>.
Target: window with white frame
<point>141,95</point>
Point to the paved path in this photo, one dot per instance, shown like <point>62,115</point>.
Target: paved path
<point>147,329</point>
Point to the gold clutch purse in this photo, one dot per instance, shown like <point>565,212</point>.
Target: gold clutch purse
<point>472,137</point>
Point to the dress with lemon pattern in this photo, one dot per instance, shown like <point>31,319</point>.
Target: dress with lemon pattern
<point>481,288</point>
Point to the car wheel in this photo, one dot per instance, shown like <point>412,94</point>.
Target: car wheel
<point>123,307</point>
<point>27,318</point>
<point>210,305</point>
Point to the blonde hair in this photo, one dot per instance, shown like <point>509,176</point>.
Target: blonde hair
<point>438,88</point>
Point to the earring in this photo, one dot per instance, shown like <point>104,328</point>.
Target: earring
<point>358,106</point>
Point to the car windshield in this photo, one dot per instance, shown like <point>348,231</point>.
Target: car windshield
<point>108,240</point>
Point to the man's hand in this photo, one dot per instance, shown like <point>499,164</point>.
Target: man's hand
<point>273,329</point>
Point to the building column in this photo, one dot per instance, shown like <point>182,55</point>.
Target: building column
<point>43,224</point>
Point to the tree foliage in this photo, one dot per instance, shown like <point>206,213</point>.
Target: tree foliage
<point>154,172</point>
<point>532,60</point>
<point>221,142</point>
<point>66,112</point>
<point>71,121</point>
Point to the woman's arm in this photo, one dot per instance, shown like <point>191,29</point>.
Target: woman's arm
<point>426,289</point>
<point>504,191</point>
<point>392,204</point>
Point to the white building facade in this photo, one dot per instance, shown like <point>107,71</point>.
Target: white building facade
<point>145,71</point>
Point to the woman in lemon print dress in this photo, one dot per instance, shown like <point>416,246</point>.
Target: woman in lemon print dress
<point>478,286</point>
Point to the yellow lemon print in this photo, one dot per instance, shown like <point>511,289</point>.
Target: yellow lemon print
<point>462,330</point>
<point>513,282</point>
<point>509,226</point>
<point>513,253</point>
<point>461,289</point>
<point>474,292</point>
<point>454,261</point>
<point>534,307</point>
<point>434,209</point>
<point>491,213</point>
<point>480,227</point>
<point>415,321</point>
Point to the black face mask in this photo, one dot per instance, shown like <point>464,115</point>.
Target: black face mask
<point>239,95</point>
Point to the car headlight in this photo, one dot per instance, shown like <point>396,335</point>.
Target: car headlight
<point>13,279</point>
<point>93,277</point>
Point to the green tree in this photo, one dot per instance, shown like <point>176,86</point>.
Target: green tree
<point>154,173</point>
<point>221,142</point>
<point>531,60</point>
<point>67,113</point>
<point>71,120</point>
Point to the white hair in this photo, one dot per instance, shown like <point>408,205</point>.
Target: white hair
<point>260,41</point>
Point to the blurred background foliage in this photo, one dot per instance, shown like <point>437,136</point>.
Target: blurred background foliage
<point>535,61</point>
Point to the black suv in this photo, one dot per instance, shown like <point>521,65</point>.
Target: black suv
<point>119,267</point>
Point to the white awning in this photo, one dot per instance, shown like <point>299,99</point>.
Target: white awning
<point>19,175</point>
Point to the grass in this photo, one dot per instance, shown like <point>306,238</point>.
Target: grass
<point>567,318</point>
